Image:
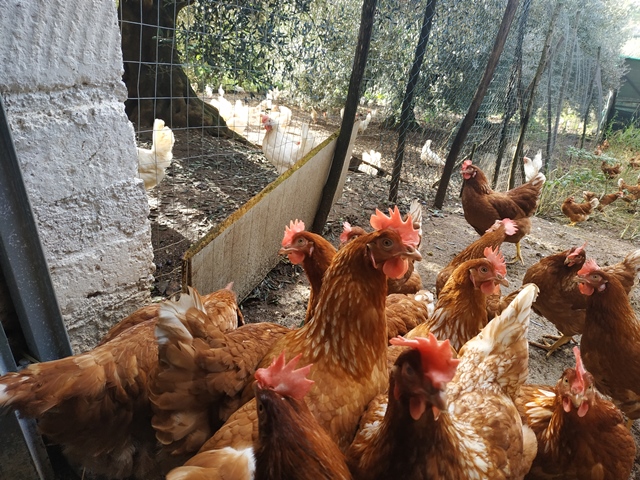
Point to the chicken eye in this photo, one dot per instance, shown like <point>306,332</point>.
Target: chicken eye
<point>565,380</point>
<point>260,408</point>
<point>300,241</point>
<point>484,270</point>
<point>387,243</point>
<point>408,370</point>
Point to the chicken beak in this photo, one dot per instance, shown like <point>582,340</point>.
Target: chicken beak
<point>285,251</point>
<point>439,402</point>
<point>412,254</point>
<point>501,280</point>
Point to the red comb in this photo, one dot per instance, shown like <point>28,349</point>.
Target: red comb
<point>346,230</point>
<point>466,163</point>
<point>496,259</point>
<point>282,378</point>
<point>588,267</point>
<point>291,230</point>
<point>437,363</point>
<point>510,226</point>
<point>380,221</point>
<point>578,250</point>
<point>580,370</point>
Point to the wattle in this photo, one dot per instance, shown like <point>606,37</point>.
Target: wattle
<point>417,406</point>
<point>395,268</point>
<point>489,288</point>
<point>585,288</point>
<point>296,257</point>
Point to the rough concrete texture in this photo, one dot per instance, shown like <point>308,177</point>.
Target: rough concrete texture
<point>60,78</point>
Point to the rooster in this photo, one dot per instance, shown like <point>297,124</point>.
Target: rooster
<point>532,166</point>
<point>580,433</point>
<point>493,237</point>
<point>346,340</point>
<point>461,309</point>
<point>153,162</point>
<point>578,212</point>
<point>430,157</point>
<point>482,206</point>
<point>452,419</point>
<point>611,338</point>
<point>282,149</point>
<point>106,394</point>
<point>291,443</point>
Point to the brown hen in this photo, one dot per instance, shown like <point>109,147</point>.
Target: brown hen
<point>482,206</point>
<point>96,404</point>
<point>346,342</point>
<point>581,435</point>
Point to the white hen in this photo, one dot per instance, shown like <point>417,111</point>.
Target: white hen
<point>373,158</point>
<point>283,150</point>
<point>153,162</point>
<point>430,157</point>
<point>532,167</point>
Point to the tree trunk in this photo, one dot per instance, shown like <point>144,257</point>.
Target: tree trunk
<point>367,18</point>
<point>514,97</point>
<point>585,117</point>
<point>483,86</point>
<point>157,86</point>
<point>407,116</point>
<point>524,120</point>
<point>563,86</point>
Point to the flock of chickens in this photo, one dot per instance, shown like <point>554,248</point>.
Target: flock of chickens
<point>580,212</point>
<point>391,384</point>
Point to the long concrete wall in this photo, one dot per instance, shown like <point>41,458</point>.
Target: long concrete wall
<point>60,78</point>
<point>244,248</point>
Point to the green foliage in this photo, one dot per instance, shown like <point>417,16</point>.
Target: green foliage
<point>626,140</point>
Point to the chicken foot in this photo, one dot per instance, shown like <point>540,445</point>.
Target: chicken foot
<point>518,255</point>
<point>560,340</point>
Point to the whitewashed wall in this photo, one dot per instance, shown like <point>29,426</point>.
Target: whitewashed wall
<point>60,78</point>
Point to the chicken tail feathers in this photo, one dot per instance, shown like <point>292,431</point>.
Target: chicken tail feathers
<point>173,318</point>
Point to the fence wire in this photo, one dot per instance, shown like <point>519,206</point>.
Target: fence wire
<point>201,66</point>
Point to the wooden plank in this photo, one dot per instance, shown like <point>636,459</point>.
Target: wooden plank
<point>244,248</point>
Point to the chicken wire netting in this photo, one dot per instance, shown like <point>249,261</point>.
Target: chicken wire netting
<point>200,66</point>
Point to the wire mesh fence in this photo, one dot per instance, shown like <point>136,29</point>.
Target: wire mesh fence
<point>212,69</point>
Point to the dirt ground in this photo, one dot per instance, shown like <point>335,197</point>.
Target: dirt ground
<point>283,295</point>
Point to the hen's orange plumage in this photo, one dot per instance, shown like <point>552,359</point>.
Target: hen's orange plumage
<point>578,212</point>
<point>610,343</point>
<point>460,312</point>
<point>346,341</point>
<point>466,428</point>
<point>610,171</point>
<point>313,252</point>
<point>580,433</point>
<point>201,372</point>
<point>493,237</point>
<point>96,404</point>
<point>482,206</point>
<point>560,300</point>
